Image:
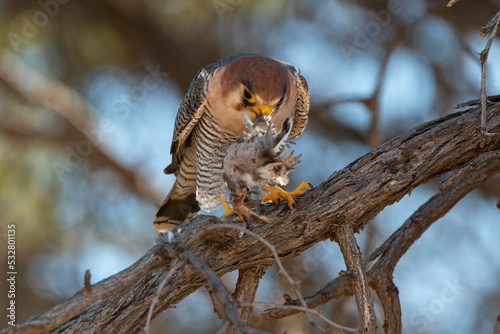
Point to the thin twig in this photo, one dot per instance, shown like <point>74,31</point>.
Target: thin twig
<point>496,330</point>
<point>174,266</point>
<point>229,305</point>
<point>226,327</point>
<point>394,247</point>
<point>268,245</point>
<point>357,278</point>
<point>47,321</point>
<point>86,281</point>
<point>299,309</point>
<point>492,26</point>
<point>490,100</point>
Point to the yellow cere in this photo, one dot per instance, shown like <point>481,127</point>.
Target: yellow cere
<point>261,110</point>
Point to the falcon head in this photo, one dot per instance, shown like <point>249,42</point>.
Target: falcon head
<point>257,84</point>
<point>254,85</point>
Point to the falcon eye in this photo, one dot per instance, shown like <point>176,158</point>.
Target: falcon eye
<point>248,96</point>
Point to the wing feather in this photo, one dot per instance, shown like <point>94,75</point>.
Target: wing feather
<point>192,108</point>
<point>301,114</point>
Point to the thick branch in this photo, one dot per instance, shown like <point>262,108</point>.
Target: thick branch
<point>388,294</point>
<point>228,304</point>
<point>356,277</point>
<point>399,242</point>
<point>246,287</point>
<point>115,284</point>
<point>496,330</point>
<point>354,195</point>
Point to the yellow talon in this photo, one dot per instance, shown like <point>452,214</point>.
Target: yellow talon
<point>227,209</point>
<point>225,205</point>
<point>275,193</point>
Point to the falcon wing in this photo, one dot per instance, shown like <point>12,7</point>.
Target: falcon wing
<point>190,111</point>
<point>302,107</point>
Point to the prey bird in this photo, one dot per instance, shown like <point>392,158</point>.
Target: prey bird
<point>258,158</point>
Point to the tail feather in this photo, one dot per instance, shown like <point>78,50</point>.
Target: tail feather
<point>176,208</point>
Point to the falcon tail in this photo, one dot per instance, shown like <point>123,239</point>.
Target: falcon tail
<point>175,209</point>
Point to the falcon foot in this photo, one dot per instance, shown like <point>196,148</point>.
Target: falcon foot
<point>275,193</point>
<point>241,209</point>
<point>227,209</point>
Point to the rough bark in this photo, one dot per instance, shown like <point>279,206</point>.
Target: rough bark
<point>356,277</point>
<point>352,196</point>
<point>389,253</point>
<point>246,287</point>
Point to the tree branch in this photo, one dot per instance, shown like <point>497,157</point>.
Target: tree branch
<point>227,303</point>
<point>246,287</point>
<point>115,284</point>
<point>492,26</point>
<point>356,277</point>
<point>301,309</point>
<point>496,330</point>
<point>389,253</point>
<point>353,195</point>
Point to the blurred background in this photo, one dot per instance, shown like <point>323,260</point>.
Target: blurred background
<point>88,95</point>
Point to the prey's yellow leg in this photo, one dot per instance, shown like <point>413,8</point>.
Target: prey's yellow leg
<point>275,193</point>
<point>227,209</point>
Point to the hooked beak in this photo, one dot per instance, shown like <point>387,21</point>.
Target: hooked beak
<point>261,110</point>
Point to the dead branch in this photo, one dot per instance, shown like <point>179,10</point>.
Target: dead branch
<point>173,268</point>
<point>300,309</point>
<point>268,245</point>
<point>491,26</point>
<point>356,277</point>
<point>496,330</point>
<point>246,287</point>
<point>115,284</point>
<point>389,253</point>
<point>228,304</point>
<point>352,196</point>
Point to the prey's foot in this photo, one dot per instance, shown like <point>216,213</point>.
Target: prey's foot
<point>241,210</point>
<point>275,193</point>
